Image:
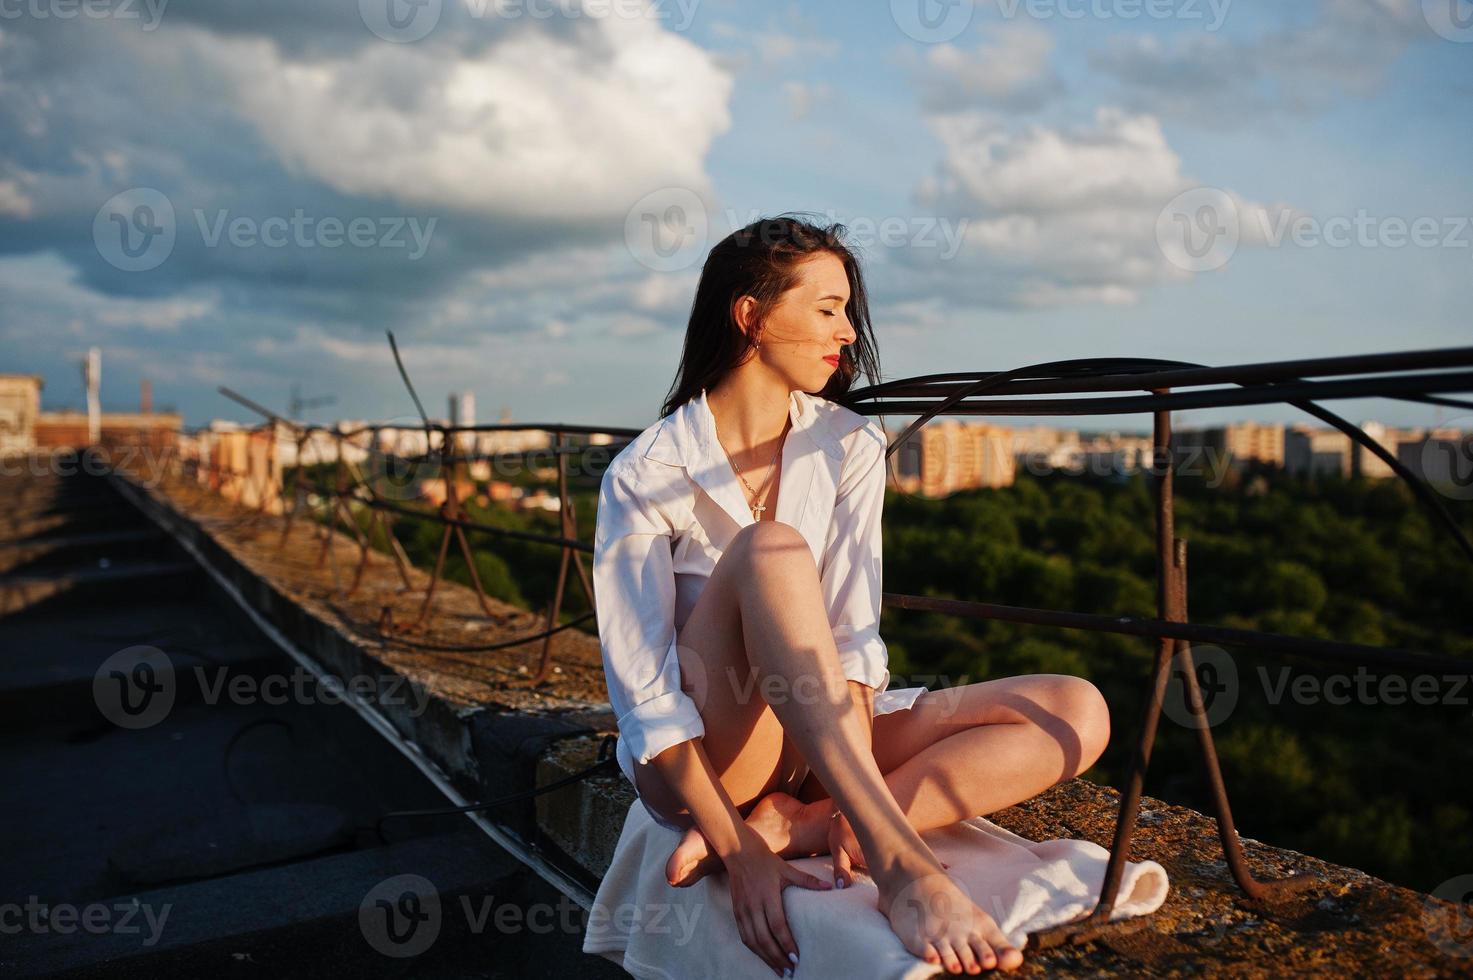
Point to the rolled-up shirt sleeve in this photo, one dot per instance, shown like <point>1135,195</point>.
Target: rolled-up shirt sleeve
<point>634,599</point>
<point>851,573</point>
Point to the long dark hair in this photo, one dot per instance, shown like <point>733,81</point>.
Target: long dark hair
<point>760,261</point>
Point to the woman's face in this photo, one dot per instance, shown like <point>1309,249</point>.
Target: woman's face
<point>809,327</point>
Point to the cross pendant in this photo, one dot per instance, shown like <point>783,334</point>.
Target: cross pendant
<point>757,510</point>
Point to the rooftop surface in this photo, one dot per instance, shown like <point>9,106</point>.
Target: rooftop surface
<point>231,833</point>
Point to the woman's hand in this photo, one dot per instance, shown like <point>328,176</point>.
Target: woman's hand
<point>757,878</point>
<point>845,849</point>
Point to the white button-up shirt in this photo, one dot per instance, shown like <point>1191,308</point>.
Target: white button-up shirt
<point>668,506</point>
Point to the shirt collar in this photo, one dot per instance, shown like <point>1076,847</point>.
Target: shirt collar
<point>687,437</point>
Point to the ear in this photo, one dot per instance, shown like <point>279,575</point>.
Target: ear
<point>743,311</point>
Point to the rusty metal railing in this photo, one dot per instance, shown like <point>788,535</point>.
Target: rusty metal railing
<point>1101,386</point>
<point>1253,384</point>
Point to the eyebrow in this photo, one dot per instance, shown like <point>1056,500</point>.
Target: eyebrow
<point>830,296</point>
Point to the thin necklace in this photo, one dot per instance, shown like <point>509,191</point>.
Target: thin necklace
<point>757,508</point>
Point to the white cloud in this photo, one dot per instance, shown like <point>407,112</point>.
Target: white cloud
<point>1344,50</point>
<point>13,200</point>
<point>49,289</point>
<point>1056,216</point>
<point>1010,69</point>
<point>572,127</point>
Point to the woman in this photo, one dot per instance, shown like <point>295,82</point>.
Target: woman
<point>738,582</point>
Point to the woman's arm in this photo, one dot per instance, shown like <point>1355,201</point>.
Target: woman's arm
<point>851,572</point>
<point>634,600</point>
<point>755,875</point>
<point>634,594</point>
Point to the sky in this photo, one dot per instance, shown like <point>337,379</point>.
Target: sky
<point>222,193</point>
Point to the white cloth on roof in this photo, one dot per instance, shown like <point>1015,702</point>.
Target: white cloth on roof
<point>655,931</point>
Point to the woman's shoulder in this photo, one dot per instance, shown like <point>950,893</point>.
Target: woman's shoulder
<point>644,462</point>
<point>856,433</point>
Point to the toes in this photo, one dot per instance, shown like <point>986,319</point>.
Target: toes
<point>968,959</point>
<point>1009,957</point>
<point>949,957</point>
<point>983,953</point>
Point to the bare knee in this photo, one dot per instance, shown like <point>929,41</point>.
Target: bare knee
<point>1082,705</point>
<point>767,544</point>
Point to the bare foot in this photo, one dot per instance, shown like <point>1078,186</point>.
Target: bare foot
<point>790,828</point>
<point>938,922</point>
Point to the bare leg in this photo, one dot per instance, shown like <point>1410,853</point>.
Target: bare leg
<point>958,753</point>
<point>974,750</point>
<point>788,640</point>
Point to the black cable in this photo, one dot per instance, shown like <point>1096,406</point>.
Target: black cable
<point>606,760</point>
<point>483,647</point>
